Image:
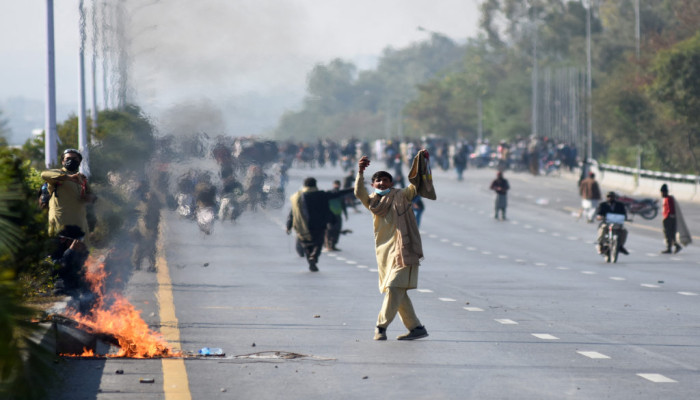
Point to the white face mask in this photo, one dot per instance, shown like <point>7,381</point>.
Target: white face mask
<point>382,192</point>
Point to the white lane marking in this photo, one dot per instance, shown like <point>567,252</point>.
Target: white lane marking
<point>362,266</point>
<point>432,236</point>
<point>589,272</point>
<point>471,248</point>
<point>541,264</point>
<point>350,262</point>
<point>617,278</point>
<point>545,336</point>
<point>443,240</point>
<point>456,244</point>
<point>572,238</point>
<point>506,321</point>
<point>341,258</point>
<point>519,260</point>
<point>563,268</point>
<point>657,378</point>
<point>652,255</point>
<point>424,290</point>
<point>373,270</point>
<point>542,230</point>
<point>676,259</point>
<point>486,252</point>
<point>473,309</point>
<point>556,234</point>
<point>593,354</point>
<point>649,285</point>
<point>527,226</point>
<point>446,299</point>
<point>514,222</point>
<point>503,256</point>
<point>688,293</point>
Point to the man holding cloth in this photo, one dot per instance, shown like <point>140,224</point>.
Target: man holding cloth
<point>397,241</point>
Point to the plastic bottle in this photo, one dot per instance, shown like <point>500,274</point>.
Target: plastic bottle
<point>211,351</point>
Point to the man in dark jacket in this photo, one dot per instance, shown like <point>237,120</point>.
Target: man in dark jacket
<point>613,207</point>
<point>309,217</point>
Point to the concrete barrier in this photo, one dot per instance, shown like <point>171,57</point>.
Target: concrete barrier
<point>628,182</point>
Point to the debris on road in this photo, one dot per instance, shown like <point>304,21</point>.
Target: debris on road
<point>147,380</point>
<point>119,372</point>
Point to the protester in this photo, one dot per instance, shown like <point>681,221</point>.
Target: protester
<point>673,223</point>
<point>500,186</point>
<point>397,241</point>
<point>145,233</point>
<point>70,194</point>
<point>70,254</point>
<point>335,225</point>
<point>309,217</point>
<point>418,208</point>
<point>590,196</point>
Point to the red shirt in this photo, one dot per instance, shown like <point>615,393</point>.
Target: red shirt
<point>669,207</point>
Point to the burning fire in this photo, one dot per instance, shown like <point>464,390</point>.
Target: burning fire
<point>112,314</point>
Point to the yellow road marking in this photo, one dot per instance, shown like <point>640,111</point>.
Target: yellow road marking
<point>175,383</point>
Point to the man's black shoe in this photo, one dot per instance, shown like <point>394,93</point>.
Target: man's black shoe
<point>415,333</point>
<point>313,267</point>
<point>667,251</point>
<point>624,251</point>
<point>380,333</point>
<point>678,248</point>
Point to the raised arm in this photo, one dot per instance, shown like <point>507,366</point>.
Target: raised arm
<point>360,189</point>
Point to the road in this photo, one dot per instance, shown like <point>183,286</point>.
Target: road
<point>516,309</point>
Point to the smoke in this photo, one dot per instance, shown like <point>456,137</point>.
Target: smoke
<point>215,49</point>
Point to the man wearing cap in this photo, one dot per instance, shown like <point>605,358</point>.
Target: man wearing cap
<point>668,213</point>
<point>614,207</point>
<point>590,196</point>
<point>309,217</point>
<point>70,194</point>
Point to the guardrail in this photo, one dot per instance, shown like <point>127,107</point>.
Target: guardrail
<point>645,173</point>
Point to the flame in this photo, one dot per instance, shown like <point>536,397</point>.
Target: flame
<point>114,315</point>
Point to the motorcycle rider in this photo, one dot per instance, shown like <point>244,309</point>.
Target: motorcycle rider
<point>615,207</point>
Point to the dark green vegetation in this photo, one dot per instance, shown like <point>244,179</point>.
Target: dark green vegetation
<point>644,104</point>
<point>123,145</point>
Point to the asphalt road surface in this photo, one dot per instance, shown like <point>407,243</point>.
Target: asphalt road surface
<point>515,309</point>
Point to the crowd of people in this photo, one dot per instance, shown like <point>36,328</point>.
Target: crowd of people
<point>252,174</point>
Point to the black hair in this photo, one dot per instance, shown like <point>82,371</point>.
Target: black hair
<point>74,151</point>
<point>382,174</point>
<point>310,182</point>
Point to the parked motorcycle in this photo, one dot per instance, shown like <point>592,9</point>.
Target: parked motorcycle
<point>648,208</point>
<point>610,243</point>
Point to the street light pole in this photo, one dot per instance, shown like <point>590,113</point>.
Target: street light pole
<point>82,119</point>
<point>50,130</point>
<point>589,105</point>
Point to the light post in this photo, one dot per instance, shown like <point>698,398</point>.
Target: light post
<point>50,130</point>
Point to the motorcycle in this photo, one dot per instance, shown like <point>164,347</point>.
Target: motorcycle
<point>610,243</point>
<point>648,208</point>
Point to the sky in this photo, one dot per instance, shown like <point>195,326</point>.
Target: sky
<point>235,55</point>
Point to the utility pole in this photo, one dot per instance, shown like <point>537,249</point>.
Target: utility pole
<point>94,64</point>
<point>82,119</point>
<point>50,134</point>
<point>589,105</point>
<point>535,80</point>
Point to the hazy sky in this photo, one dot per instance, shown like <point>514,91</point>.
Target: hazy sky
<point>221,50</point>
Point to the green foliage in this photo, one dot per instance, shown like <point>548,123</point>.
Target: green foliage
<point>25,366</point>
<point>343,103</point>
<point>124,143</point>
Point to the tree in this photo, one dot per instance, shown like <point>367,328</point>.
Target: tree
<point>677,84</point>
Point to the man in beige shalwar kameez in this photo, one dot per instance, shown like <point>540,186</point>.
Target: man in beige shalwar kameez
<point>398,247</point>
